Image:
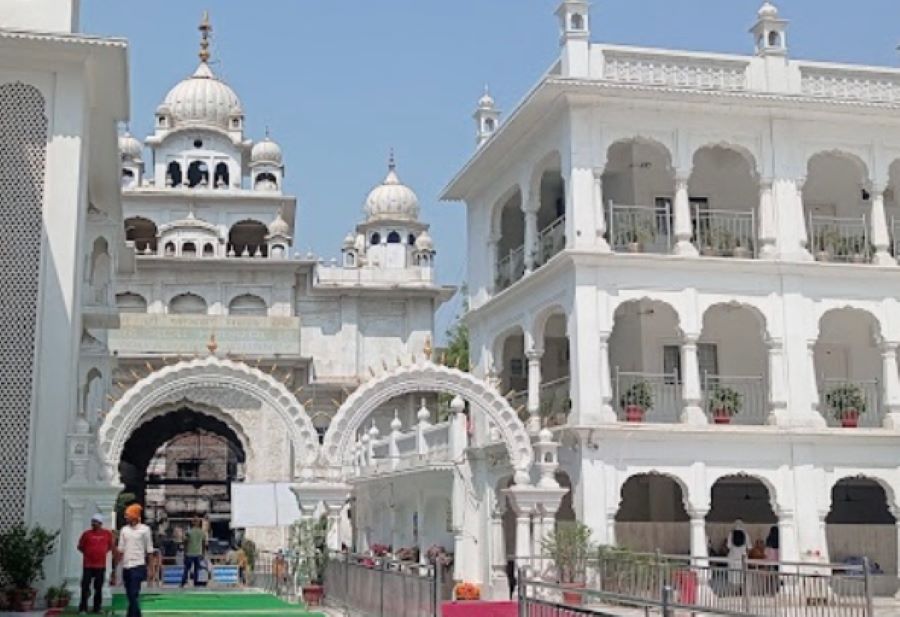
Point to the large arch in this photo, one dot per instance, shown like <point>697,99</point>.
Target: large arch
<point>427,376</point>
<point>205,379</point>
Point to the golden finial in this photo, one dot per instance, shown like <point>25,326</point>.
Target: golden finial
<point>212,345</point>
<point>205,28</point>
<point>427,349</point>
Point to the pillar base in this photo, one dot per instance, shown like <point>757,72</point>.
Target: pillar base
<point>684,248</point>
<point>892,420</point>
<point>605,415</point>
<point>883,258</point>
<point>768,251</point>
<point>602,246</point>
<point>693,415</point>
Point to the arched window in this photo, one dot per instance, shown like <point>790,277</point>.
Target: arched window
<point>350,260</point>
<point>209,250</point>
<point>127,178</point>
<point>173,174</point>
<point>248,237</point>
<point>198,174</point>
<point>376,239</point>
<point>188,249</point>
<point>131,303</point>
<point>411,240</point>
<point>221,176</point>
<point>489,124</point>
<point>577,21</point>
<point>142,232</point>
<point>265,180</point>
<point>774,39</point>
<point>247,304</point>
<point>170,249</point>
<point>278,251</point>
<point>393,238</point>
<point>187,304</point>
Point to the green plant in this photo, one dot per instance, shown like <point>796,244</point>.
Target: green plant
<point>828,240</point>
<point>725,400</point>
<point>639,394</point>
<point>636,230</point>
<point>23,551</point>
<point>570,547</point>
<point>250,551</point>
<point>308,549</point>
<point>844,398</point>
<point>721,239</point>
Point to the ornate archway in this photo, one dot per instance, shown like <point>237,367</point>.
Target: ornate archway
<point>427,376</point>
<point>213,381</point>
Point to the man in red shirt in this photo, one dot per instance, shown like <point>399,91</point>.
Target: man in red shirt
<point>94,545</point>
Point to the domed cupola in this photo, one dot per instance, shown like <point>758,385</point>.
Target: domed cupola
<point>392,200</point>
<point>279,238</point>
<point>130,151</point>
<point>266,165</point>
<point>130,148</point>
<point>266,151</point>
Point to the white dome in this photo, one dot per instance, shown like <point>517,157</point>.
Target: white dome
<point>486,101</point>
<point>392,200</point>
<point>768,10</point>
<point>129,147</point>
<point>424,242</point>
<point>266,151</point>
<point>202,99</point>
<point>279,227</point>
<point>349,239</point>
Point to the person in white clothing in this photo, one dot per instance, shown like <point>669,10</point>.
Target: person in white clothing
<point>135,546</point>
<point>738,545</point>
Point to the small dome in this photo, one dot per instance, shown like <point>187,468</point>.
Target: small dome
<point>392,200</point>
<point>545,435</point>
<point>279,227</point>
<point>266,151</point>
<point>768,11</point>
<point>129,147</point>
<point>486,101</point>
<point>424,242</point>
<point>349,240</point>
<point>201,99</point>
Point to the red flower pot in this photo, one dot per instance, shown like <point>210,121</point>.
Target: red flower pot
<point>312,594</point>
<point>572,598</point>
<point>720,416</point>
<point>634,413</point>
<point>850,418</point>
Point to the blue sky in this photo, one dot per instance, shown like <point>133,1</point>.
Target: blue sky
<point>341,82</point>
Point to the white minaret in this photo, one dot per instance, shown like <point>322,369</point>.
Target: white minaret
<point>574,37</point>
<point>487,117</point>
<point>769,32</point>
<point>132,167</point>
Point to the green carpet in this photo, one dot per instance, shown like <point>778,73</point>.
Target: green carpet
<point>212,604</point>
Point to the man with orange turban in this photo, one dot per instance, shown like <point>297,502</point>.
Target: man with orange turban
<point>135,545</point>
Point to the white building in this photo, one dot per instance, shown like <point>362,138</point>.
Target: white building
<point>670,230</point>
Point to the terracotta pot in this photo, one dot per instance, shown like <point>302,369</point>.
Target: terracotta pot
<point>850,418</point>
<point>634,413</point>
<point>572,598</point>
<point>22,600</point>
<point>720,416</point>
<point>313,594</point>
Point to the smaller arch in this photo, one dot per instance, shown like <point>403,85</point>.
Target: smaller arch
<point>129,302</point>
<point>170,249</point>
<point>188,249</point>
<point>411,239</point>
<point>773,495</point>
<point>513,192</point>
<point>393,238</point>
<point>265,180</point>
<point>173,174</point>
<point>209,250</point>
<point>851,310</point>
<point>577,22</point>
<point>187,304</point>
<point>142,231</point>
<point>220,176</point>
<point>375,239</point>
<point>539,322</point>
<point>248,237</point>
<point>247,304</point>
<point>198,174</point>
<point>774,39</point>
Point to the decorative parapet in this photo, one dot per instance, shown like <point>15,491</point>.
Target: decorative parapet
<point>678,70</point>
<point>850,83</point>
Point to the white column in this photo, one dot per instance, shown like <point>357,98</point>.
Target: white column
<point>611,527</point>
<point>491,284</point>
<point>698,534</point>
<point>790,219</point>
<point>787,536</point>
<point>881,238</point>
<point>531,209</point>
<point>766,225</point>
<point>683,227</point>
<point>815,416</point>
<point>498,544</point>
<point>333,509</point>
<point>600,211</point>
<point>585,360</point>
<point>534,389</point>
<point>777,395</point>
<point>523,536</point>
<point>75,511</point>
<point>690,376</point>
<point>606,391</point>
<point>547,523</point>
<point>890,381</point>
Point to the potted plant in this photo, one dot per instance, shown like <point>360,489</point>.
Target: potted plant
<point>846,402</point>
<point>827,244</point>
<point>22,555</point>
<point>636,401</point>
<point>636,234</point>
<point>408,554</point>
<point>724,403</point>
<point>58,597</point>
<point>569,546</point>
<point>466,592</point>
<point>308,551</point>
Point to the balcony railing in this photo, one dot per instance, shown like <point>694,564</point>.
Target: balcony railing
<point>551,240</point>
<point>742,400</point>
<point>640,229</point>
<point>725,233</point>
<point>836,398</point>
<point>510,268</point>
<point>663,402</point>
<point>555,402</point>
<point>845,239</point>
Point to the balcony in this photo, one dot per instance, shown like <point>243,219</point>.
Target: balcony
<point>551,240</point>
<point>841,239</point>
<point>725,233</point>
<point>851,403</point>
<point>647,397</point>
<point>555,402</point>
<point>640,229</point>
<point>510,268</point>
<point>735,399</point>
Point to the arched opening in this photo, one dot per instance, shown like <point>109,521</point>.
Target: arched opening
<point>188,249</point>
<point>724,194</point>
<point>265,181</point>
<point>734,365</point>
<point>247,304</point>
<point>187,304</point>
<point>848,366</point>
<point>209,250</point>
<point>170,249</point>
<point>861,525</point>
<point>100,278</point>
<point>652,517</point>
<point>92,394</point>
<point>774,39</point>
<point>645,359</point>
<point>411,240</point>
<point>739,502</point>
<point>173,174</point>
<point>375,239</point>
<point>638,188</point>
<point>181,465</point>
<point>511,244</point>
<point>577,21</point>
<point>836,204</point>
<point>220,177</point>
<point>142,232</point>
<point>248,239</point>
<point>512,367</point>
<point>198,174</point>
<point>127,178</point>
<point>129,302</point>
<point>555,401</point>
<point>393,238</point>
<point>551,215</point>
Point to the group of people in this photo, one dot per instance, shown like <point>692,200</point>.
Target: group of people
<point>134,552</point>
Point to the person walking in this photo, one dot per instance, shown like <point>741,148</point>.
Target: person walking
<point>194,550</point>
<point>94,544</point>
<point>135,546</point>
